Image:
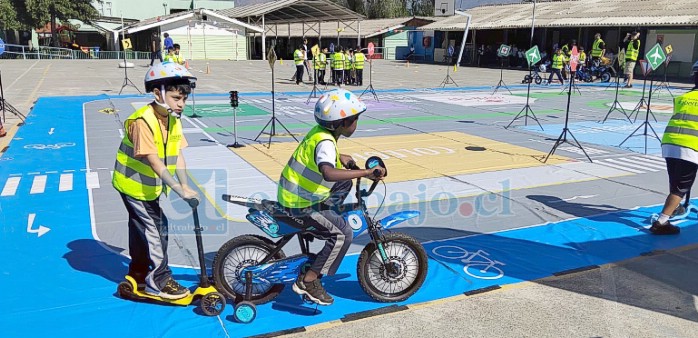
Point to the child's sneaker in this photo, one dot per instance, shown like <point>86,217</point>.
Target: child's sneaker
<point>664,229</point>
<point>172,290</point>
<point>313,290</point>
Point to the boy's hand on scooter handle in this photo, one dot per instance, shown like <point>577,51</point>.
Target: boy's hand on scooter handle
<point>190,196</point>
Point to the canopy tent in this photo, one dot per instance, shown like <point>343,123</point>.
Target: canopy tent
<point>309,13</point>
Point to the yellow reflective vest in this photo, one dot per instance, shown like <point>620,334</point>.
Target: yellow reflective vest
<point>682,129</point>
<point>558,61</point>
<point>359,59</point>
<point>298,57</point>
<point>631,52</point>
<point>596,48</point>
<point>301,184</point>
<point>134,176</point>
<point>320,61</point>
<point>338,60</point>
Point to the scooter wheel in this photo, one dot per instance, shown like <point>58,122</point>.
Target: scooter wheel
<point>212,304</point>
<point>125,290</point>
<point>245,312</point>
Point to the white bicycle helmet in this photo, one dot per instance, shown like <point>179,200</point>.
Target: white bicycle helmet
<point>165,73</point>
<point>337,105</point>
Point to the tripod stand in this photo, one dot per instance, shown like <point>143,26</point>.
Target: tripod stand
<point>448,79</point>
<point>501,78</point>
<point>370,81</point>
<point>616,105</point>
<point>571,83</point>
<point>644,124</point>
<point>193,103</point>
<point>273,119</point>
<point>6,106</point>
<point>664,84</point>
<point>314,92</point>
<point>563,136</point>
<point>642,102</point>
<point>127,81</point>
<point>527,108</point>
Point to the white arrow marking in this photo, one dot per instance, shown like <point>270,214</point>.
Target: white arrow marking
<point>41,230</point>
<point>50,132</point>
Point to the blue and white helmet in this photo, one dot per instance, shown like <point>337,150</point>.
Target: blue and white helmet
<point>336,105</point>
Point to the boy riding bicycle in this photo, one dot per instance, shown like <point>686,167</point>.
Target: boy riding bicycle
<point>314,184</point>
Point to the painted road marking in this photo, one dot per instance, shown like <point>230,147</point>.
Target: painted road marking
<point>66,182</point>
<point>92,180</point>
<point>413,156</point>
<point>633,164</point>
<point>39,184</point>
<point>11,186</point>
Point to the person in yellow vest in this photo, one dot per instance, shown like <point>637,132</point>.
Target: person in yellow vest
<point>359,60</point>
<point>299,60</point>
<point>338,61</point>
<point>598,48</point>
<point>556,66</point>
<point>146,161</point>
<point>567,52</point>
<point>632,51</point>
<point>174,56</point>
<point>314,184</point>
<point>680,149</point>
<point>348,66</point>
<point>320,65</point>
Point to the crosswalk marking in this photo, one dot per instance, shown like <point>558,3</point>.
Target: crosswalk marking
<point>66,182</point>
<point>38,185</point>
<point>10,186</point>
<point>92,180</point>
<point>634,164</point>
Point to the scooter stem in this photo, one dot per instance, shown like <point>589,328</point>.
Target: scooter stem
<point>204,283</point>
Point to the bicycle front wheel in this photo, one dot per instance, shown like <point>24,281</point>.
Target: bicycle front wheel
<point>400,277</point>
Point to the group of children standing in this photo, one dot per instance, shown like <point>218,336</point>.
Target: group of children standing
<point>346,65</point>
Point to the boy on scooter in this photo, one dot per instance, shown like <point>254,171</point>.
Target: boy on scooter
<point>148,157</point>
<point>314,184</point>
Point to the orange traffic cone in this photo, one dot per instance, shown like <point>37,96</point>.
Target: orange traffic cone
<point>186,64</point>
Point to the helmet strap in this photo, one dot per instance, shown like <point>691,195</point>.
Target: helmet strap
<point>164,104</point>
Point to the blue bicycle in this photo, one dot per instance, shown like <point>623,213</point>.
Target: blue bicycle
<point>252,269</point>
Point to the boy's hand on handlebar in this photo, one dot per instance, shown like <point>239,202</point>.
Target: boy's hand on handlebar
<point>376,173</point>
<point>347,161</point>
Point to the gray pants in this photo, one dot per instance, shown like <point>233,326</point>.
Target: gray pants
<point>147,242</point>
<point>330,226</point>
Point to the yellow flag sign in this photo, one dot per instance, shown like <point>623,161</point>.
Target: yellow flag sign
<point>126,43</point>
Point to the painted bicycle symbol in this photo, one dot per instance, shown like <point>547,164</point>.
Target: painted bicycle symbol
<point>49,146</point>
<point>477,264</point>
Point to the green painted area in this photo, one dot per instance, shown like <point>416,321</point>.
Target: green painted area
<point>398,120</point>
<point>221,110</point>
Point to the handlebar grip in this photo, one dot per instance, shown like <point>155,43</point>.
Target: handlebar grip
<point>352,165</point>
<point>376,172</point>
<point>193,202</point>
<point>225,197</point>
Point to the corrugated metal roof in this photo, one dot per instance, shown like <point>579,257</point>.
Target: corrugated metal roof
<point>369,28</point>
<point>293,11</point>
<point>577,13</point>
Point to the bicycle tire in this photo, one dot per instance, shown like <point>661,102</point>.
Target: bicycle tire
<point>219,267</point>
<point>370,254</point>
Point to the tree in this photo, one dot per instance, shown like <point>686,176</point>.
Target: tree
<point>25,14</point>
<point>422,7</point>
<point>378,9</point>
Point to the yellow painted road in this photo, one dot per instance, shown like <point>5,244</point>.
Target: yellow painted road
<point>412,157</point>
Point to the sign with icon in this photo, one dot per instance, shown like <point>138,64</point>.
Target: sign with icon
<point>126,43</point>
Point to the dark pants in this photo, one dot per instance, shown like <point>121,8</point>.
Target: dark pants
<point>329,225</point>
<point>554,71</point>
<point>155,54</point>
<point>682,174</point>
<point>147,242</point>
<point>299,74</point>
<point>339,76</point>
<point>321,76</point>
<point>359,77</point>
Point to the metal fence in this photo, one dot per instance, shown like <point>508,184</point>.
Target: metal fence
<point>43,52</point>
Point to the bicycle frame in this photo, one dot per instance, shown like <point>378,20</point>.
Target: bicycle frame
<point>286,270</point>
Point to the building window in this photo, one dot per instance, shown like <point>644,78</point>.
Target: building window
<point>108,4</point>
